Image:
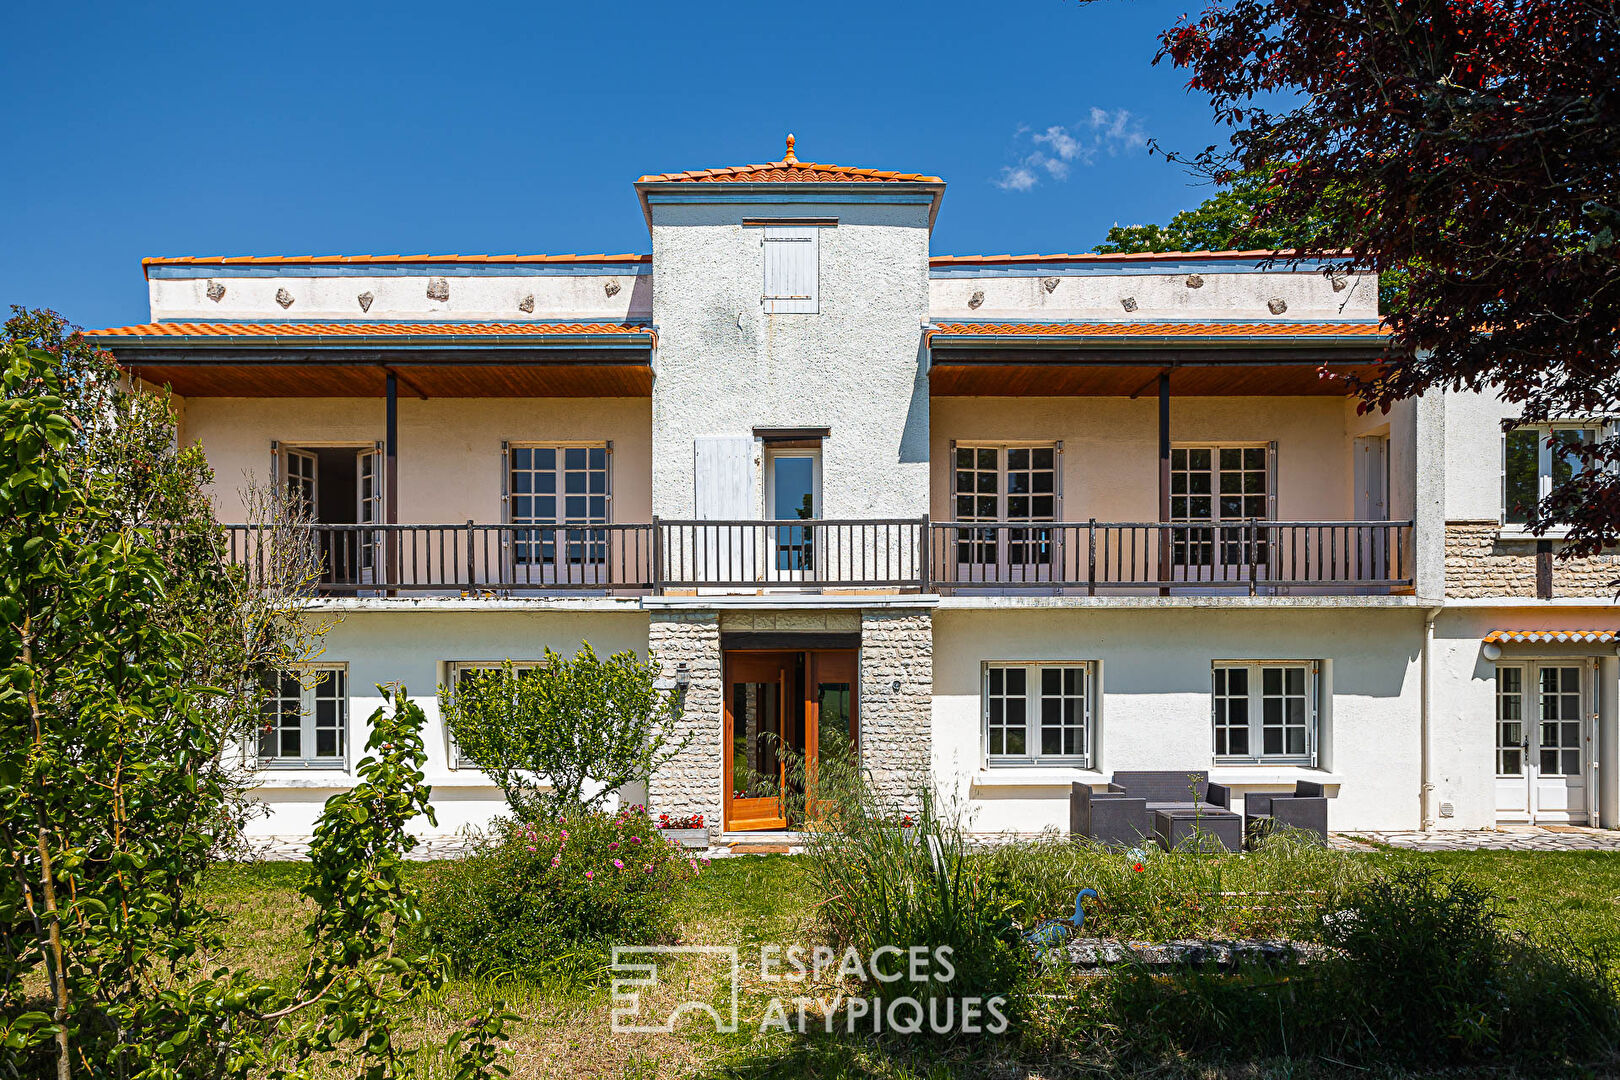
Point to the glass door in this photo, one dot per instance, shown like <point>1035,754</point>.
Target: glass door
<point>1213,490</point>
<point>831,729</point>
<point>1541,743</point>
<point>758,733</point>
<point>792,493</point>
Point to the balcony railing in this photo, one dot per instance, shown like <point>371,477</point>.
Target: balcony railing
<point>1097,557</point>
<point>895,554</point>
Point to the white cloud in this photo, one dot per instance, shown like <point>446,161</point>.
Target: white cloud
<point>1052,152</point>
<point>1016,178</point>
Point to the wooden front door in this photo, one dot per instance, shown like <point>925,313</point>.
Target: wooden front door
<point>781,708</point>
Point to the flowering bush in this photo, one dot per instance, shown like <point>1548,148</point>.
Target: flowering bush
<point>549,899</point>
<point>687,821</point>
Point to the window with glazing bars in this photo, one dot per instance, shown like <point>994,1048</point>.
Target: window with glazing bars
<point>1011,484</point>
<point>1038,712</point>
<point>1214,484</point>
<point>559,486</point>
<point>305,718</point>
<point>1264,712</point>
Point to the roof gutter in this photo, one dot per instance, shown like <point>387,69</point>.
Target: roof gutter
<point>1153,341</point>
<point>467,341</point>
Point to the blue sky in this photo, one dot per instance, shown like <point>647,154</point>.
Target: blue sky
<point>287,128</point>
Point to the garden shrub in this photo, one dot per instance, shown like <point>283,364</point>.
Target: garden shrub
<point>547,900</point>
<point>1282,889</point>
<point>1434,975</point>
<point>1423,975</point>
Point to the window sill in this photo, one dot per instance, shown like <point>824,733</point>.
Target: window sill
<point>303,766</point>
<point>1518,534</point>
<point>1026,776</point>
<point>1246,775</point>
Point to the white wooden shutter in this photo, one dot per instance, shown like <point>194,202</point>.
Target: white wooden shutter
<point>724,477</point>
<point>452,752</point>
<point>792,270</point>
<point>724,491</point>
<point>1314,705</point>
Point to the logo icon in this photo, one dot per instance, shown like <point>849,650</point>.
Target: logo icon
<point>630,980</point>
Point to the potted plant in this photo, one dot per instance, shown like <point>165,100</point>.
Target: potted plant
<point>686,830</point>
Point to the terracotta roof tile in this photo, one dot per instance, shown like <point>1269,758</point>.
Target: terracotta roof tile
<point>1138,256</point>
<point>322,260</point>
<point>1544,637</point>
<point>790,170</point>
<point>268,330</point>
<point>1157,329</point>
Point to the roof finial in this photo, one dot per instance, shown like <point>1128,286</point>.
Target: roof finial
<point>789,156</point>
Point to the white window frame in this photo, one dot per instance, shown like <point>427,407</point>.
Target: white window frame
<point>797,248</point>
<point>1034,697</point>
<point>1256,696</point>
<point>453,670</point>
<point>313,680</point>
<point>568,548</point>
<point>1593,430</point>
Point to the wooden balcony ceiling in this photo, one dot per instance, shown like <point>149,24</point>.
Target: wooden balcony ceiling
<point>1092,359</point>
<point>354,359</point>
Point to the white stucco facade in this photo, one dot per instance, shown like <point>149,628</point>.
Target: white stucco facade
<point>1405,690</point>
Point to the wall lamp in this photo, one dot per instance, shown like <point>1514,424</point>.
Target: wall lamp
<point>683,678</point>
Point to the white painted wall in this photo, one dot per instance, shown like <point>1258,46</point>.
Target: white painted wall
<point>1463,696</point>
<point>411,647</point>
<point>723,367</point>
<point>1156,699</point>
<point>449,448</point>
<point>1224,295</point>
<point>1473,441</point>
<point>485,297</point>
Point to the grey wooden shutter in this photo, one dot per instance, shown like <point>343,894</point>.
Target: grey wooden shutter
<point>507,564</point>
<point>1501,515</point>
<point>792,266</point>
<point>1057,481</point>
<point>1271,480</point>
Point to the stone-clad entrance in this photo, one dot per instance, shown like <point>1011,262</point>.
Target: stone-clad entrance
<point>889,651</point>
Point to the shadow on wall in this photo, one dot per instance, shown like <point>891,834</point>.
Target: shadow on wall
<point>914,434</point>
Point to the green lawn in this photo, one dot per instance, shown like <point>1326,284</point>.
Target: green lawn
<point>751,901</point>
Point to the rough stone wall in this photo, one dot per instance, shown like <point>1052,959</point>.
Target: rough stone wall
<point>896,725</point>
<point>692,782</point>
<point>796,621</point>
<point>1479,563</point>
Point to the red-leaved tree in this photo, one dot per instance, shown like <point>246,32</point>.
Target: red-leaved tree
<point>1472,147</point>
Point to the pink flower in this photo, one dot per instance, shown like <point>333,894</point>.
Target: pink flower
<point>531,847</point>
<point>613,845</point>
<point>556,860</point>
<point>635,839</point>
<point>618,864</point>
<point>589,874</point>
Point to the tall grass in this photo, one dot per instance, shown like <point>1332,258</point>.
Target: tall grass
<point>1280,890</point>
<point>886,885</point>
